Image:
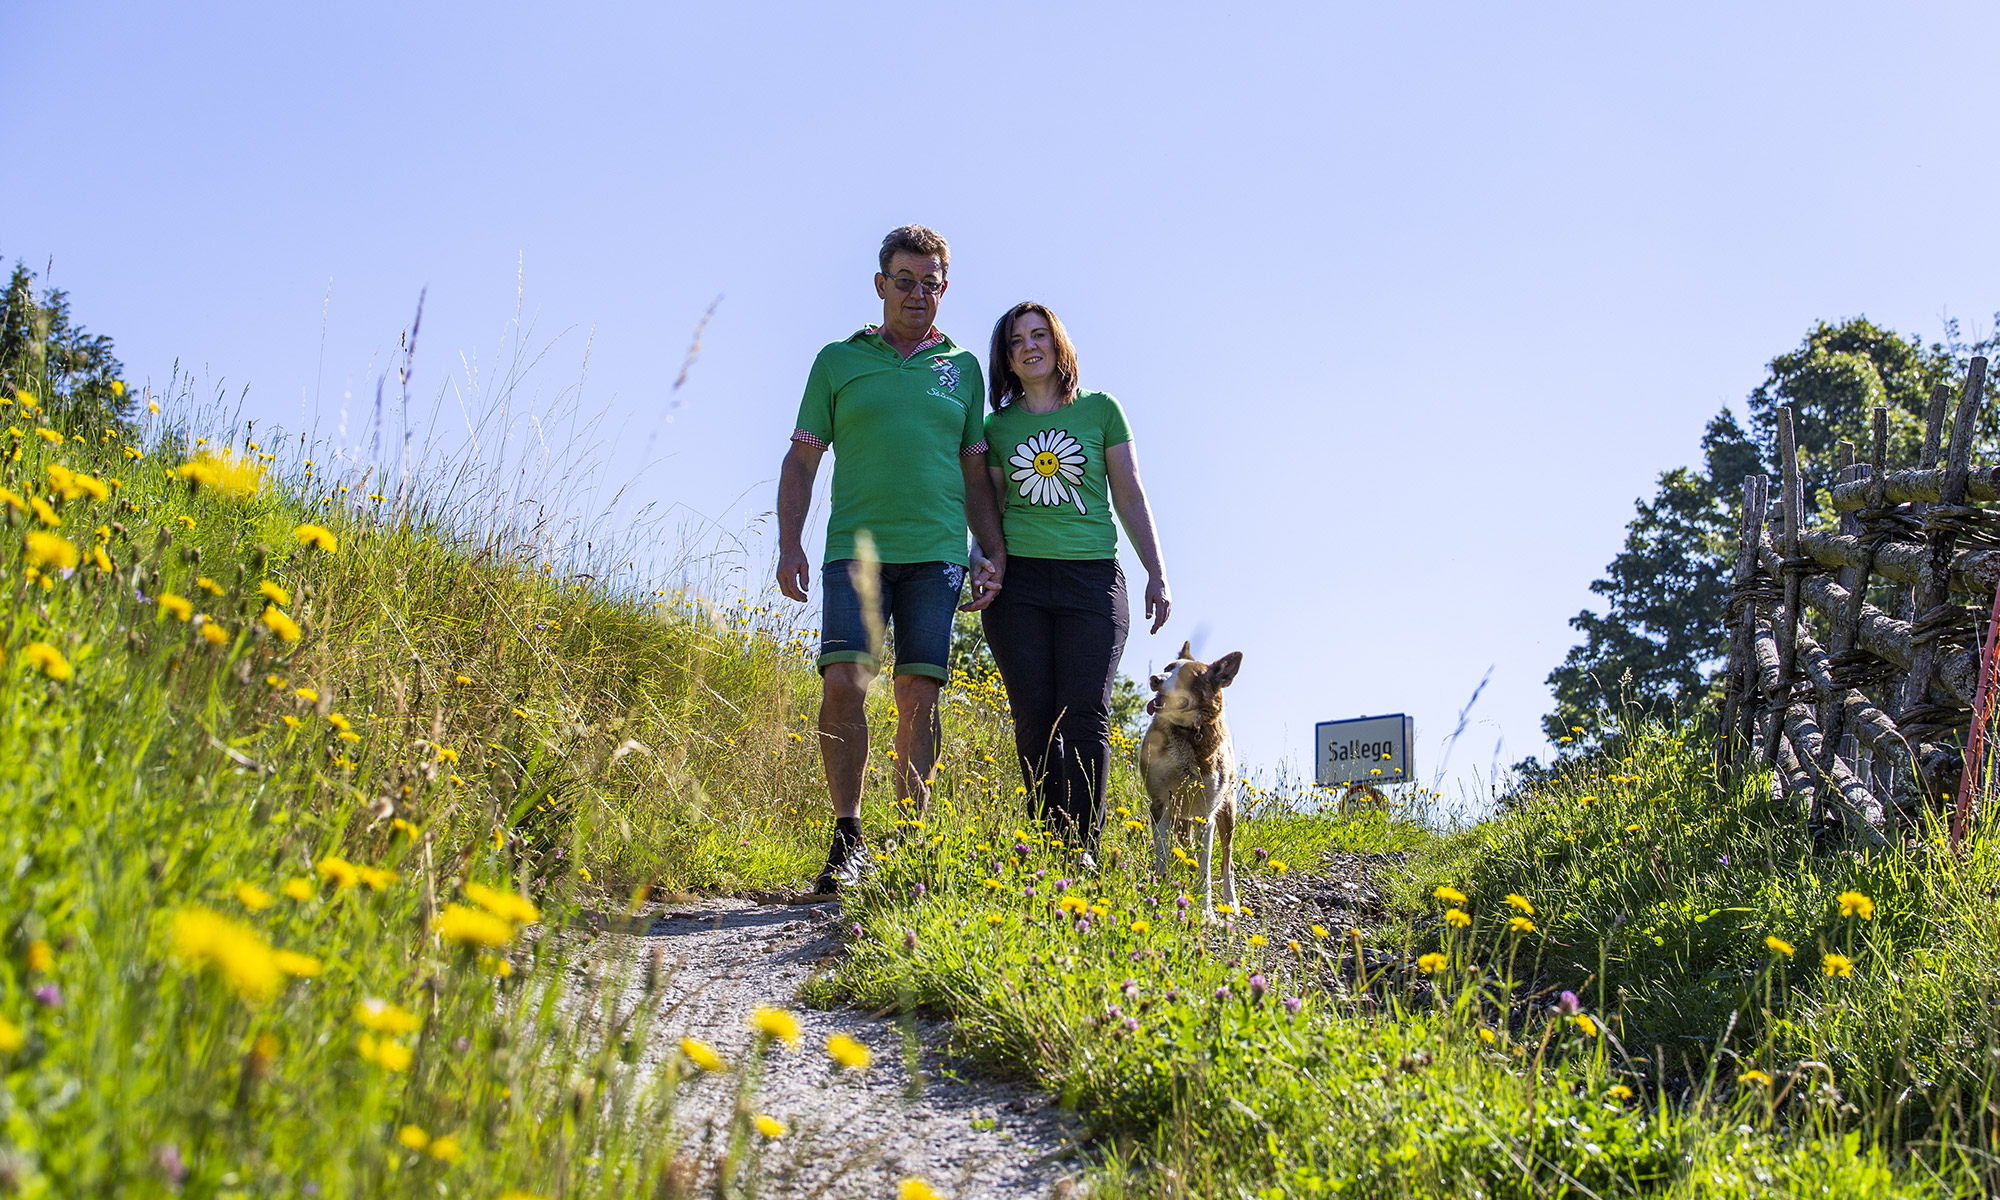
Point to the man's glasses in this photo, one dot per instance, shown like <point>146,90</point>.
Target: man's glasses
<point>904,283</point>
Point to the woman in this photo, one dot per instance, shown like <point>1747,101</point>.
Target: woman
<point>1061,459</point>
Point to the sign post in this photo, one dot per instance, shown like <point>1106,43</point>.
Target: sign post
<point>1364,750</point>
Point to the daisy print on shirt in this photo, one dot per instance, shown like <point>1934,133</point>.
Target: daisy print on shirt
<point>1049,466</point>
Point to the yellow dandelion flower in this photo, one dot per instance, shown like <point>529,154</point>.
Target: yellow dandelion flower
<point>446,1149</point>
<point>11,1037</point>
<point>293,722</point>
<point>273,592</point>
<point>43,513</point>
<point>1487,1036</point>
<point>1450,895</point>
<point>1584,1023</point>
<point>1257,940</point>
<point>339,722</point>
<point>387,1053</point>
<point>462,680</point>
<point>177,607</point>
<point>1837,965</point>
<point>47,659</point>
<point>413,1136</point>
<point>299,889</point>
<point>1754,1077</point>
<point>447,754</point>
<point>237,953</point>
<point>1778,945</point>
<point>213,634</point>
<point>1521,925</point>
<point>208,585</point>
<point>1141,926</point>
<point>1431,963</point>
<point>1854,904</point>
<point>701,1055</point>
<point>317,535</point>
<point>1280,865</point>
<point>252,897</point>
<point>913,1188</point>
<point>381,1016</point>
<point>512,907</point>
<point>1619,1092</point>
<point>1520,902</point>
<point>471,927</point>
<point>768,1125</point>
<point>1320,931</point>
<point>348,735</point>
<point>338,871</point>
<point>103,560</point>
<point>50,436</point>
<point>776,1023</point>
<point>48,550</point>
<point>302,966</point>
<point>1457,918</point>
<point>308,695</point>
<point>496,966</point>
<point>282,625</point>
<point>848,1052</point>
<point>41,956</point>
<point>376,878</point>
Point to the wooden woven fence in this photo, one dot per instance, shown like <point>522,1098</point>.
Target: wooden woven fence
<point>1866,712</point>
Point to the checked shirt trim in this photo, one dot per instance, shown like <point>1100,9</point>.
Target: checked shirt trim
<point>932,338</point>
<point>808,438</point>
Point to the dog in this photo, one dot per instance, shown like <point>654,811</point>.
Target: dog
<point>1189,765</point>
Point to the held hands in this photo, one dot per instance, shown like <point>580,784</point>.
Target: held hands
<point>986,575</point>
<point>1158,604</point>
<point>794,572</point>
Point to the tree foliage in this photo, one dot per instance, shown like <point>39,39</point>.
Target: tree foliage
<point>1660,641</point>
<point>73,374</point>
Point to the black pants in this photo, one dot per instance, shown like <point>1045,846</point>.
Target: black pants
<point>1057,630</point>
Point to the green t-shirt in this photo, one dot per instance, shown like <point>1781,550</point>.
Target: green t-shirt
<point>1058,498</point>
<point>897,428</point>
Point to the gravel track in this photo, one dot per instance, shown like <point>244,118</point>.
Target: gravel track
<point>851,1133</point>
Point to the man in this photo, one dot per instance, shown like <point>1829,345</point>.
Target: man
<point>902,407</point>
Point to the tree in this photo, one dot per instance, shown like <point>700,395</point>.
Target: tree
<point>72,374</point>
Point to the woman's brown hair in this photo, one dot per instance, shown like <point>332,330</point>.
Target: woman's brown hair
<point>1002,385</point>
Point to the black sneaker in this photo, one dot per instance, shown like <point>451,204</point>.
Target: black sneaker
<point>844,863</point>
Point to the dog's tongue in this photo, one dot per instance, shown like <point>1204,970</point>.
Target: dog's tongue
<point>1152,706</point>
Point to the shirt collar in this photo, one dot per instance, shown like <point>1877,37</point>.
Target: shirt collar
<point>933,338</point>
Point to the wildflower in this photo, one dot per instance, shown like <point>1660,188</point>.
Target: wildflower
<point>1280,865</point>
<point>1293,945</point>
<point>252,897</point>
<point>11,1037</point>
<point>1450,895</point>
<point>1754,1076</point>
<point>1431,963</point>
<point>848,1052</point>
<point>298,889</point>
<point>237,952</point>
<point>1487,1036</point>
<point>701,1055</point>
<point>913,1188</point>
<point>1145,926</point>
<point>462,680</point>
<point>1258,987</point>
<point>1778,945</point>
<point>769,1126</point>
<point>447,754</point>
<point>274,593</point>
<point>43,512</point>
<point>239,477</point>
<point>301,966</point>
<point>213,634</point>
<point>308,695</point>
<point>776,1023</point>
<point>175,606</point>
<point>282,625</point>
<point>9,498</point>
<point>1854,904</point>
<point>103,560</point>
<point>1837,965</point>
<point>413,1136</point>
<point>1584,1023</point>
<point>1320,931</point>
<point>1293,1004</point>
<point>994,918</point>
<point>1135,824</point>
<point>1568,1004</point>
<point>387,1053</point>
<point>40,956</point>
<point>1457,918</point>
<point>446,1149</point>
<point>405,827</point>
<point>496,966</point>
<point>376,878</point>
<point>48,550</point>
<point>208,585</point>
<point>470,927</point>
<point>1520,902</point>
<point>381,1016</point>
<point>339,722</point>
<point>1619,1092</point>
<point>317,535</point>
<point>50,436</point>
<point>1521,925</point>
<point>338,871</point>
<point>47,659</point>
<point>292,722</point>
<point>503,904</point>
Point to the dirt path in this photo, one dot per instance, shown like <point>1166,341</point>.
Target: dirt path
<point>851,1134</point>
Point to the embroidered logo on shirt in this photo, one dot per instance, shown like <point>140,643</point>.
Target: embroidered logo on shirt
<point>947,373</point>
<point>1049,468</point>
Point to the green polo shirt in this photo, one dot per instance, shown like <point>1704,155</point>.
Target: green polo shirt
<point>1053,478</point>
<point>897,427</point>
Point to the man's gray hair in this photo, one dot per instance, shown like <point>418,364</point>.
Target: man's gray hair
<point>917,239</point>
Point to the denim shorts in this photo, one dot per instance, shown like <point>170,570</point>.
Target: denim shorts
<point>919,604</point>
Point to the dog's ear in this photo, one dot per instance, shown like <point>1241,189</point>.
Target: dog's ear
<point>1187,650</point>
<point>1223,670</point>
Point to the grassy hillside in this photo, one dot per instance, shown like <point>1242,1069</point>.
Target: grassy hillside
<point>304,791</point>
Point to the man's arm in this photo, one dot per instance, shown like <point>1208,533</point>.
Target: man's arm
<point>982,516</point>
<point>795,487</point>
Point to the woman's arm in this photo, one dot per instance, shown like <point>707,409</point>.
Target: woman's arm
<point>1128,497</point>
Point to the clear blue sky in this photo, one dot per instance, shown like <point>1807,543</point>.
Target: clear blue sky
<point>1406,303</point>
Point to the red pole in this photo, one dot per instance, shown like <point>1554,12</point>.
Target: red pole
<point>1975,745</point>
